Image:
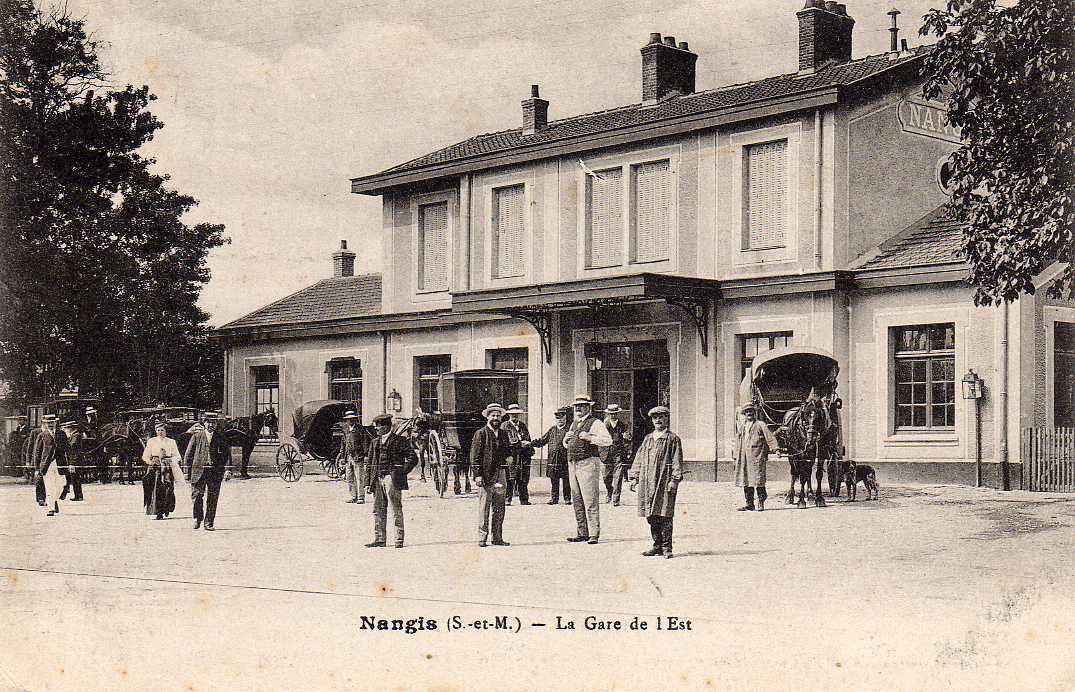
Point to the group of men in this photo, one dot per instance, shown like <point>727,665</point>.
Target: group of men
<point>54,453</point>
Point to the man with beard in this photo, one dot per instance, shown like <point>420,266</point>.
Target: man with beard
<point>490,452</point>
<point>753,444</point>
<point>390,458</point>
<point>556,464</point>
<point>205,460</point>
<point>583,442</point>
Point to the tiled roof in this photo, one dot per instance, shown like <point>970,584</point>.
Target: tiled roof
<point>329,299</point>
<point>838,74</point>
<point>933,239</point>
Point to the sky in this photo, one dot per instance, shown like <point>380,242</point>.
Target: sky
<point>271,107</point>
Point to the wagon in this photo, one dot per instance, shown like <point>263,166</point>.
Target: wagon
<point>463,396</point>
<point>318,435</point>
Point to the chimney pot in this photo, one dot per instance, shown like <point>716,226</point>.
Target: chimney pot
<point>343,261</point>
<point>343,244</point>
<point>655,37</point>
<point>670,41</point>
<point>535,91</point>
<point>683,45</point>
<point>825,31</point>
<point>831,5</point>
<point>903,45</point>
<point>666,68</point>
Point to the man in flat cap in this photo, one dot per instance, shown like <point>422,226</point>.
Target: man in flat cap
<point>522,453</point>
<point>556,464</point>
<point>617,460</point>
<point>655,474</point>
<point>389,458</point>
<point>753,443</point>
<point>352,457</point>
<point>207,457</point>
<point>490,454</point>
<point>583,442</point>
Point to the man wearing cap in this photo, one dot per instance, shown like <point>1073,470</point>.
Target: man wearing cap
<point>205,460</point>
<point>72,460</point>
<point>583,442</point>
<point>29,460</point>
<point>753,443</point>
<point>353,458</point>
<point>49,451</point>
<point>656,473</point>
<point>490,453</point>
<point>16,439</point>
<point>615,463</point>
<point>522,453</point>
<point>389,458</point>
<point>556,464</point>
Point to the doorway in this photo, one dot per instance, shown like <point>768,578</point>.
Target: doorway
<point>634,375</point>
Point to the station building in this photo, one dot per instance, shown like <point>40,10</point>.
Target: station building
<point>645,254</point>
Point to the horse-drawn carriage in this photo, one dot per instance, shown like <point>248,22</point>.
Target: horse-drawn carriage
<point>317,435</point>
<point>463,397</point>
<point>794,391</point>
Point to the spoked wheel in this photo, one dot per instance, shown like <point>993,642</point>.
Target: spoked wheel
<point>434,456</point>
<point>334,469</point>
<point>289,462</point>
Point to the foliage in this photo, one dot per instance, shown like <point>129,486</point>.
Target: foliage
<point>100,275</point>
<point>1006,74</point>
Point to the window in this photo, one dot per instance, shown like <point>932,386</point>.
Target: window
<point>1064,375</point>
<point>345,381</point>
<point>433,247</point>
<point>925,368</point>
<point>509,232</point>
<point>765,205</point>
<point>516,359</point>
<point>751,345</point>
<point>651,220</point>
<point>427,372</point>
<point>266,390</point>
<point>604,239</point>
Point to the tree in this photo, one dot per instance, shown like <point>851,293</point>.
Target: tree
<point>97,261</point>
<point>1006,75</point>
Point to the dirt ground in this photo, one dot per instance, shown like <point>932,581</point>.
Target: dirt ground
<point>932,587</point>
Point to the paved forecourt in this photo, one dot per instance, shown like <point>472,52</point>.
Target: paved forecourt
<point>931,586</point>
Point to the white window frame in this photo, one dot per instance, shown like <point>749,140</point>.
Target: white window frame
<point>417,202</point>
<point>528,231</point>
<point>1051,314</point>
<point>740,143</point>
<point>627,163</point>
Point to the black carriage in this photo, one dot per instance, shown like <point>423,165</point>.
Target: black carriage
<point>132,428</point>
<point>318,434</point>
<point>463,397</point>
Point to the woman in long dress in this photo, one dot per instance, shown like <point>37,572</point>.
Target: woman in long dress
<point>161,455</point>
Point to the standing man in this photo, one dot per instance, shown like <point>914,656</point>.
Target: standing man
<point>618,458</point>
<point>490,453</point>
<point>521,454</point>
<point>353,457</point>
<point>656,472</point>
<point>29,460</point>
<point>72,460</point>
<point>15,441</point>
<point>390,458</point>
<point>583,442</point>
<point>556,464</point>
<point>207,457</point>
<point>752,447</point>
<point>100,460</point>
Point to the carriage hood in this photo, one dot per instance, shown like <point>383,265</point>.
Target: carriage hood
<point>314,421</point>
<point>789,374</point>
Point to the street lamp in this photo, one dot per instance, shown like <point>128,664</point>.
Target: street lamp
<point>972,390</point>
<point>395,401</point>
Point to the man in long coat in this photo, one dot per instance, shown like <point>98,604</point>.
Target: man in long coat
<point>207,457</point>
<point>753,443</point>
<point>73,460</point>
<point>655,474</point>
<point>556,464</point>
<point>490,453</point>
<point>390,458</point>
<point>50,451</point>
<point>353,458</point>
<point>519,474</point>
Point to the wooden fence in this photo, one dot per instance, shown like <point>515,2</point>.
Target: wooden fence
<point>1048,456</point>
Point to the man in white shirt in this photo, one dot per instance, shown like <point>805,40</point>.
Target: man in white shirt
<point>583,441</point>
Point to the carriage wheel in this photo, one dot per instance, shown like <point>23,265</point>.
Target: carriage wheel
<point>291,472</point>
<point>435,459</point>
<point>289,462</point>
<point>333,469</point>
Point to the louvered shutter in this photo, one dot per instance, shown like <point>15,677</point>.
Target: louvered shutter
<point>606,218</point>
<point>653,205</point>
<point>433,264</point>
<point>509,232</point>
<point>767,177</point>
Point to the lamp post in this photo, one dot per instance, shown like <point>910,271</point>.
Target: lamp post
<point>972,389</point>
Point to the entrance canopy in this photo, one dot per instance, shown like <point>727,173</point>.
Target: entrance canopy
<point>535,304</point>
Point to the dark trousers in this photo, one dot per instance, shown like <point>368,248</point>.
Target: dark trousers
<point>104,469</point>
<point>520,483</point>
<point>74,484</point>
<point>748,493</point>
<point>491,502</point>
<point>613,474</point>
<point>464,470</point>
<point>39,490</point>
<point>558,477</point>
<point>660,529</point>
<point>210,490</point>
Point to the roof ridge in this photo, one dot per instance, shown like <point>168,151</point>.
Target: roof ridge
<point>291,295</point>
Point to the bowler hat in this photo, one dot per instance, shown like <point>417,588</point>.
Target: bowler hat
<point>613,408</point>
<point>383,419</point>
<point>582,400</point>
<point>492,407</point>
<point>659,411</point>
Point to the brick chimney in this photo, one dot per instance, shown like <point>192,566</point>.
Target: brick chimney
<point>343,261</point>
<point>535,112</point>
<point>666,68</point>
<point>824,35</point>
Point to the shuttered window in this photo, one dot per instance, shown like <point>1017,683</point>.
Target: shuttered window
<point>433,247</point>
<point>509,232</point>
<point>606,218</point>
<point>766,197</point>
<point>652,214</point>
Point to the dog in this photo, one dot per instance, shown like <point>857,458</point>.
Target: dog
<point>856,473</point>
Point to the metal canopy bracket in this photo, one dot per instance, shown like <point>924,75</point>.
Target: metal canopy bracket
<point>541,321</point>
<point>698,310</point>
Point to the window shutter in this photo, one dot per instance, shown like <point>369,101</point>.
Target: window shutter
<point>767,195</point>
<point>433,264</point>
<point>606,218</point>
<point>509,232</point>
<point>653,204</point>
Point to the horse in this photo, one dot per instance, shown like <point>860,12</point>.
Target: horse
<point>244,432</point>
<point>811,436</point>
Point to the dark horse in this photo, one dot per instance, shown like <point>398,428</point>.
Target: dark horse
<point>811,436</point>
<point>244,433</point>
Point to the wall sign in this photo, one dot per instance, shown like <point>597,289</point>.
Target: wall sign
<point>927,119</point>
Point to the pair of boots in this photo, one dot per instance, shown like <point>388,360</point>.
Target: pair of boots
<point>748,492</point>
